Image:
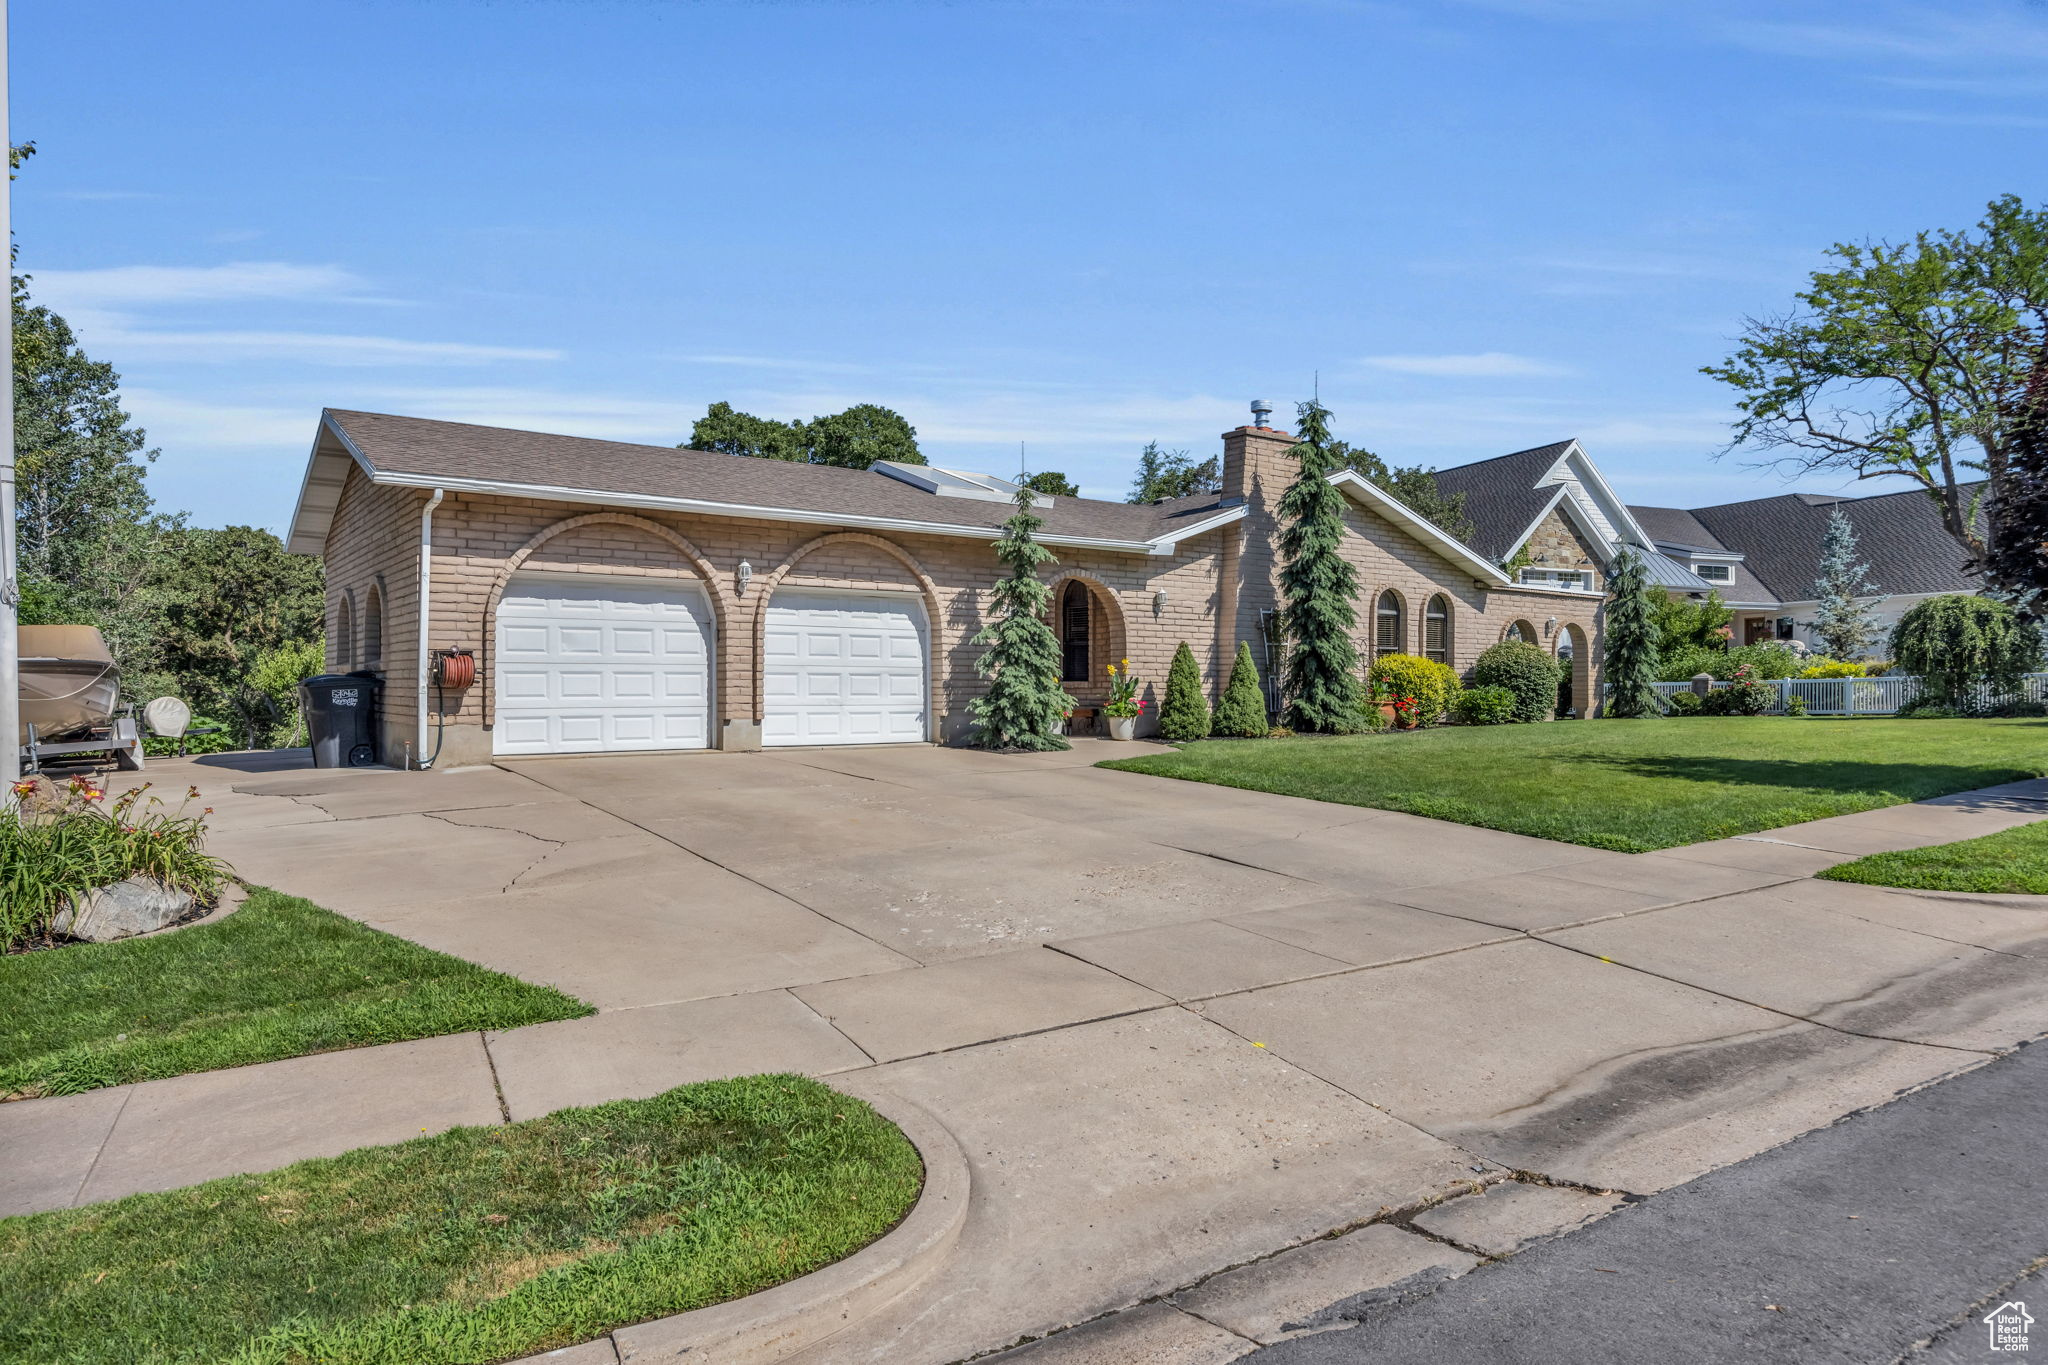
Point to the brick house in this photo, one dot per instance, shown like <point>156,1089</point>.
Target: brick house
<point>630,597</point>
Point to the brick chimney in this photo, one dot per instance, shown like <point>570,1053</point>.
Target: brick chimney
<point>1256,471</point>
<point>1256,466</point>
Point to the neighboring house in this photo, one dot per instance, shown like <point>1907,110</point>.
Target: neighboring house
<point>1550,514</point>
<point>1764,555</point>
<point>631,597</point>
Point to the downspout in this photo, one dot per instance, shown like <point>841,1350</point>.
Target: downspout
<point>425,661</point>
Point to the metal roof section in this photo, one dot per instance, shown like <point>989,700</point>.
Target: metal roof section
<point>1662,571</point>
<point>958,483</point>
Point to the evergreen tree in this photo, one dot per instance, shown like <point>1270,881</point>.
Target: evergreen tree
<point>1631,639</point>
<point>1317,587</point>
<point>1184,715</point>
<point>1843,622</point>
<point>1024,703</point>
<point>1241,714</point>
<point>1414,486</point>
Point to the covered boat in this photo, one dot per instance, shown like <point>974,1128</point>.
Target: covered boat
<point>69,684</point>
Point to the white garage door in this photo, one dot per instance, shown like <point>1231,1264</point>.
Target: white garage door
<point>843,669</point>
<point>591,665</point>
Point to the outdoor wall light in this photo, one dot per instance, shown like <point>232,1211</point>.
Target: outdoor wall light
<point>745,574</point>
<point>1550,626</point>
<point>1159,601</point>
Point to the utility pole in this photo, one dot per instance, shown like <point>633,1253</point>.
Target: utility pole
<point>10,586</point>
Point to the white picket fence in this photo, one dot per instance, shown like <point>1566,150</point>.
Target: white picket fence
<point>1856,696</point>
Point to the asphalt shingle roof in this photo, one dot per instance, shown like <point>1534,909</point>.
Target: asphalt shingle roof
<point>459,450</point>
<point>1501,494</point>
<point>1899,535</point>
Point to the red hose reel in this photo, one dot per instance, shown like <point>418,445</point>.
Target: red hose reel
<point>454,668</point>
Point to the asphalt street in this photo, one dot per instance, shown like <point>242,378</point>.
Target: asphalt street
<point>1884,1238</point>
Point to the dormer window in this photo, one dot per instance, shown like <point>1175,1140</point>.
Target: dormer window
<point>1715,573</point>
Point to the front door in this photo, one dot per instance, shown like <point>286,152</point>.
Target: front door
<point>1756,629</point>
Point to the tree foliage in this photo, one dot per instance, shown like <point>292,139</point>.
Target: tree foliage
<point>223,600</point>
<point>1413,486</point>
<point>2015,562</point>
<point>1053,483</point>
<point>1241,713</point>
<point>1024,704</point>
<point>1901,361</point>
<point>1962,646</point>
<point>853,439</point>
<point>1164,474</point>
<point>1631,640</point>
<point>1184,715</point>
<point>1690,623</point>
<point>1318,587</point>
<point>1844,621</point>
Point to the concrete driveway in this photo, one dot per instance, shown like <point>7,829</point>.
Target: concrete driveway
<point>1177,1028</point>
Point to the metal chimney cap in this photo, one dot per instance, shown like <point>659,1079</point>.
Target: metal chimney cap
<point>1261,410</point>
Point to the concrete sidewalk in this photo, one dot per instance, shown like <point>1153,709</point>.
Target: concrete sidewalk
<point>1177,1028</point>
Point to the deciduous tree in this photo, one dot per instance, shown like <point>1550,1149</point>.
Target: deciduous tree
<point>1164,474</point>
<point>1901,361</point>
<point>1054,483</point>
<point>2015,562</point>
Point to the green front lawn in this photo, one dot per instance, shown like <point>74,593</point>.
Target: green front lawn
<point>480,1244</point>
<point>279,977</point>
<point>2013,861</point>
<point>1629,785</point>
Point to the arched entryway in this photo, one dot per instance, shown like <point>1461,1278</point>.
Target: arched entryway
<point>1575,690</point>
<point>1525,631</point>
<point>1090,625</point>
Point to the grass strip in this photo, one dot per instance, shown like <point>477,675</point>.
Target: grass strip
<point>2010,862</point>
<point>1633,786</point>
<point>476,1245</point>
<point>279,977</point>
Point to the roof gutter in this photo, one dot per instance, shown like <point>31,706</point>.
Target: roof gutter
<point>1160,545</point>
<point>425,661</point>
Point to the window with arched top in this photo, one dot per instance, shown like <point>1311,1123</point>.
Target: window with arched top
<point>1436,629</point>
<point>373,629</point>
<point>345,635</point>
<point>1386,637</point>
<point>1074,624</point>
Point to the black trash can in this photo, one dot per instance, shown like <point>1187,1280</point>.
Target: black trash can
<point>341,718</point>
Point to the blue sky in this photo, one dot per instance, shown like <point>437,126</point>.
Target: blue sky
<point>1078,226</point>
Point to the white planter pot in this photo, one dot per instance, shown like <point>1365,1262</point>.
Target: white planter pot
<point>1123,727</point>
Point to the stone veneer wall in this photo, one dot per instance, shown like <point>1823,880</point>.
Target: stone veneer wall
<point>1557,544</point>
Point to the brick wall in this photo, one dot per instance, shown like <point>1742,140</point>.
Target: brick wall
<point>373,544</point>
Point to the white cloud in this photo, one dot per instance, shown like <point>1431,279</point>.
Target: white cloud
<point>129,286</point>
<point>316,348</point>
<point>1484,365</point>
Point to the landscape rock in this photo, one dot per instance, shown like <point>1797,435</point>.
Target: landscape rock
<point>138,905</point>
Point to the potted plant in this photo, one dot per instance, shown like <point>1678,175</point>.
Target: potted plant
<point>1124,705</point>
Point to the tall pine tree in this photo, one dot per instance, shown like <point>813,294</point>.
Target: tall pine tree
<point>1843,622</point>
<point>1317,587</point>
<point>1024,704</point>
<point>1631,640</point>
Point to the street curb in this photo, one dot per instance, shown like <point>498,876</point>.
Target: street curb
<point>777,1322</point>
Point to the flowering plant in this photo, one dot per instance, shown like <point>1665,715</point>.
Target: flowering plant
<point>59,841</point>
<point>1124,701</point>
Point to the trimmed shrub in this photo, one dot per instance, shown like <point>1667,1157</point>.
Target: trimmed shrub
<point>1241,714</point>
<point>1832,668</point>
<point>1524,670</point>
<point>1184,715</point>
<point>1795,705</point>
<point>1683,704</point>
<point>1487,705</point>
<point>1394,677</point>
<point>1927,708</point>
<point>1770,660</point>
<point>1745,696</point>
<point>1959,644</point>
